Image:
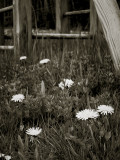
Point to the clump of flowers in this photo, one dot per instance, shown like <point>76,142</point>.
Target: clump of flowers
<point>34,131</point>
<point>18,98</point>
<point>6,157</point>
<point>66,83</point>
<point>87,113</point>
<point>105,109</point>
<point>44,61</point>
<point>23,57</point>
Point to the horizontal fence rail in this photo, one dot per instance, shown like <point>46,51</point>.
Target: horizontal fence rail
<point>39,35</point>
<point>61,35</point>
<point>77,12</point>
<point>6,47</point>
<point>6,9</point>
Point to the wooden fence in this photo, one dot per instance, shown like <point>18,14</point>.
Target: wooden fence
<point>22,25</point>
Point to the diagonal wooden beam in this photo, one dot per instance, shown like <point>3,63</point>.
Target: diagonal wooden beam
<point>6,8</point>
<point>70,13</point>
<point>109,17</point>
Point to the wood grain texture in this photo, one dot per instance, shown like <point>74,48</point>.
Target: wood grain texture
<point>6,47</point>
<point>109,16</point>
<point>6,8</point>
<point>62,22</point>
<point>1,24</point>
<point>22,27</point>
<point>77,12</point>
<point>62,35</point>
<point>93,19</point>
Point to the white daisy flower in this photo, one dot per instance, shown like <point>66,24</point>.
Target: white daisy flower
<point>23,57</point>
<point>7,157</point>
<point>18,98</point>
<point>44,61</point>
<point>105,109</point>
<point>87,113</point>
<point>66,83</point>
<point>33,131</point>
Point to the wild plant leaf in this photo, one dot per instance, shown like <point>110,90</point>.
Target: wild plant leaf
<point>26,113</point>
<point>8,109</point>
<point>36,153</point>
<point>102,132</point>
<point>108,136</point>
<point>43,88</point>
<point>21,156</point>
<point>7,106</point>
<point>72,150</point>
<point>75,140</point>
<point>26,142</point>
<point>21,144</point>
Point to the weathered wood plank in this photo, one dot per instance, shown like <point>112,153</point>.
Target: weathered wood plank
<point>6,47</point>
<point>51,34</point>
<point>6,8</point>
<point>93,19</point>
<point>77,12</point>
<point>1,24</point>
<point>22,27</point>
<point>109,16</point>
<point>62,35</point>
<point>62,22</point>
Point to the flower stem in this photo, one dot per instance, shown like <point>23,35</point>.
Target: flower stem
<point>93,138</point>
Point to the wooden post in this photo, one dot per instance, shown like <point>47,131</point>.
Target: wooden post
<point>62,22</point>
<point>109,16</point>
<point>22,18</point>
<point>93,19</point>
<point>1,24</point>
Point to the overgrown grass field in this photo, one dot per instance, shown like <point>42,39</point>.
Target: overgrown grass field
<point>51,104</point>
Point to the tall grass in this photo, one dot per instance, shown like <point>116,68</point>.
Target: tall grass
<point>49,107</point>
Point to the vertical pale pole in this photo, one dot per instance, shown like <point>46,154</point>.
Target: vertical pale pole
<point>93,19</point>
<point>22,18</point>
<point>1,24</point>
<point>62,22</point>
